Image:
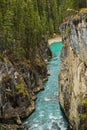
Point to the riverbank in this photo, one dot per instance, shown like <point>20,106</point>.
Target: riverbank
<point>54,40</point>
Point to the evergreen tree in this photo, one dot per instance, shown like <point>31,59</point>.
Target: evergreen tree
<point>24,22</point>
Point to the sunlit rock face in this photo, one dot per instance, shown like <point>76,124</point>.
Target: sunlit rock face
<point>73,74</point>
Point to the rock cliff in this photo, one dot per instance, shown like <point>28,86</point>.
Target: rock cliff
<point>20,80</point>
<point>73,74</point>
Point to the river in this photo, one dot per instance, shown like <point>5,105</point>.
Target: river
<point>48,115</point>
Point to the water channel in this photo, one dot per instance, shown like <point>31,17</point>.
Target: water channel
<point>48,115</point>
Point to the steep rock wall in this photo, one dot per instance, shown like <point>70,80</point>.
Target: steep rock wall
<point>20,80</point>
<point>73,75</point>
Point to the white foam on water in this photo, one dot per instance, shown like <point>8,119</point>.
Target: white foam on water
<point>48,115</point>
<point>52,117</point>
<point>47,99</point>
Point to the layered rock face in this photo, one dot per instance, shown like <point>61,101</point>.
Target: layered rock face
<point>73,74</point>
<point>20,80</point>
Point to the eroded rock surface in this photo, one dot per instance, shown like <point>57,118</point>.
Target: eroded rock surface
<point>20,80</point>
<point>73,75</point>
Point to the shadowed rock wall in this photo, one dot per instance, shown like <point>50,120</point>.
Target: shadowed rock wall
<point>20,80</point>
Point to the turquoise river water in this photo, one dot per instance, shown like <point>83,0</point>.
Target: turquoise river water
<point>48,115</point>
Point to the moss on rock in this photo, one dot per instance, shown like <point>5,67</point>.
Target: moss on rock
<point>22,89</point>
